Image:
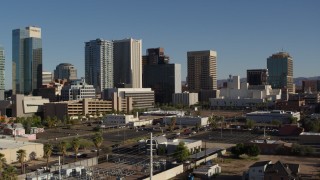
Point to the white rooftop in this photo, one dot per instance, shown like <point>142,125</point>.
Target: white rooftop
<point>11,144</point>
<point>310,133</point>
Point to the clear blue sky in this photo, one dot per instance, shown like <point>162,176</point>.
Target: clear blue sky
<point>244,33</point>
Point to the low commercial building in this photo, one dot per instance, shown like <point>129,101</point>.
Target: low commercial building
<point>15,129</point>
<point>86,106</point>
<point>240,95</point>
<point>207,171</point>
<point>269,116</point>
<point>187,120</point>
<point>169,146</point>
<point>192,145</point>
<point>77,90</point>
<point>119,119</point>
<point>271,146</point>
<point>309,138</point>
<point>142,98</point>
<point>141,122</point>
<point>26,106</point>
<point>256,170</point>
<point>185,98</point>
<point>10,147</point>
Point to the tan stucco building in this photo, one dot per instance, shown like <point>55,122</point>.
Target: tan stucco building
<point>10,147</point>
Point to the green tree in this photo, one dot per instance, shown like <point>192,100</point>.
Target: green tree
<point>238,150</point>
<point>252,150</point>
<point>213,122</point>
<point>197,126</point>
<point>276,122</point>
<point>172,123</point>
<point>293,120</point>
<point>250,123</point>
<point>2,163</point>
<point>161,150</point>
<point>85,143</point>
<point>9,173</point>
<point>182,152</point>
<point>75,143</point>
<point>21,156</point>
<point>63,149</point>
<point>47,151</point>
<point>97,141</point>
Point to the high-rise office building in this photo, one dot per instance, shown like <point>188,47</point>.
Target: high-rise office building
<point>65,71</point>
<point>99,64</point>
<point>280,69</point>
<point>257,76</point>
<point>26,60</point>
<point>2,69</point>
<point>202,70</point>
<point>155,56</point>
<point>46,77</point>
<point>163,79</point>
<point>127,63</point>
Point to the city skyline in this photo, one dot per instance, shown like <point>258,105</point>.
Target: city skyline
<point>244,34</point>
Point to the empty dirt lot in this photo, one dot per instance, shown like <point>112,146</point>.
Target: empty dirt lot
<point>309,167</point>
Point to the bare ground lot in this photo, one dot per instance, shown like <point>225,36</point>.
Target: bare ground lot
<point>235,167</point>
<point>232,169</point>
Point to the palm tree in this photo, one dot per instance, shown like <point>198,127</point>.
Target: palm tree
<point>75,143</point>
<point>2,162</point>
<point>47,151</point>
<point>63,149</point>
<point>97,141</point>
<point>21,156</point>
<point>9,173</point>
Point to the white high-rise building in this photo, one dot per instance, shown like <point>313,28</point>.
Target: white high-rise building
<point>99,64</point>
<point>46,77</point>
<point>2,69</point>
<point>127,63</point>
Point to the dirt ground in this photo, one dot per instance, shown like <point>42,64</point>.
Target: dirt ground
<point>309,167</point>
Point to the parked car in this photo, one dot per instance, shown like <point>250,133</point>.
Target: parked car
<point>115,146</point>
<point>79,155</point>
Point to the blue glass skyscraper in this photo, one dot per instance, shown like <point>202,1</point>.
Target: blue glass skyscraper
<point>26,60</point>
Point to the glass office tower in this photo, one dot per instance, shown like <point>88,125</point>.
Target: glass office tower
<point>280,69</point>
<point>26,60</point>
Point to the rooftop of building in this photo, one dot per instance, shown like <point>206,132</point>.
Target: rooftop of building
<point>261,163</point>
<point>272,112</point>
<point>310,134</point>
<point>281,54</point>
<point>267,141</point>
<point>177,141</point>
<point>12,144</point>
<point>204,153</point>
<point>204,169</point>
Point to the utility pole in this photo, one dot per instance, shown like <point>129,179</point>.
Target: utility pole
<point>151,153</point>
<point>221,126</point>
<point>205,151</point>
<point>59,169</point>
